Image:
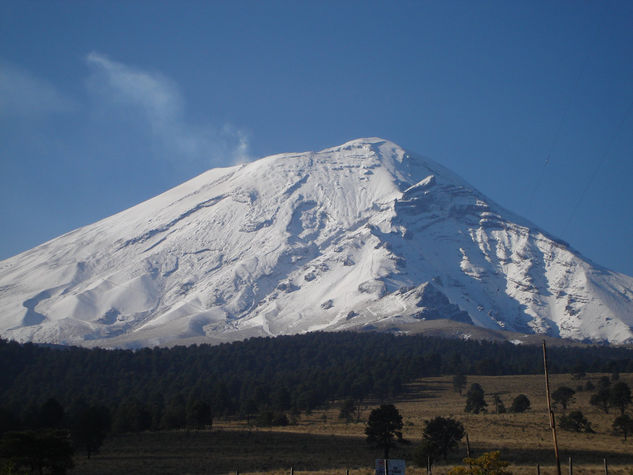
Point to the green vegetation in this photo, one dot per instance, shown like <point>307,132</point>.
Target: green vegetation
<point>459,382</point>
<point>302,384</point>
<point>623,425</point>
<point>475,401</point>
<point>521,403</point>
<point>620,396</point>
<point>384,428</point>
<point>47,451</point>
<point>440,436</point>
<point>89,427</point>
<point>161,387</point>
<point>563,396</point>
<point>575,421</point>
<point>322,444</point>
<point>500,407</point>
<point>348,409</point>
<point>601,399</point>
<point>489,463</point>
<point>617,396</point>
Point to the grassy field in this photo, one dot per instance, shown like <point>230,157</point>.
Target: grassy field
<point>321,444</point>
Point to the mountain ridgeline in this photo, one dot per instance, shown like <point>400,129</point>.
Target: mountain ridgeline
<point>363,236</point>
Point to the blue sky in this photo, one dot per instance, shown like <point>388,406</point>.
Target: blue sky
<point>104,104</point>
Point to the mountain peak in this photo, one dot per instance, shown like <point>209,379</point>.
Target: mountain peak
<point>372,146</point>
<point>359,236</point>
<point>363,141</point>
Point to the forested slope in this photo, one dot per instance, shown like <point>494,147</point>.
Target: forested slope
<point>288,373</point>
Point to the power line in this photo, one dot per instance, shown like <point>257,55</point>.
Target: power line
<point>563,118</point>
<point>601,162</point>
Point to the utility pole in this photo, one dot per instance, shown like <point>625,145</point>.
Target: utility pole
<point>552,421</point>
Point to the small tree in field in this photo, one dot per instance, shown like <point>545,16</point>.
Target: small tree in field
<point>475,402</point>
<point>623,425</point>
<point>384,427</point>
<point>563,396</point>
<point>440,435</point>
<point>521,403</point>
<point>347,410</point>
<point>500,408</point>
<point>459,383</point>
<point>620,396</point>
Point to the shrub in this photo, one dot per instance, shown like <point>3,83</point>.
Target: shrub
<point>268,418</point>
<point>521,403</point>
<point>575,421</point>
<point>489,463</point>
<point>347,410</point>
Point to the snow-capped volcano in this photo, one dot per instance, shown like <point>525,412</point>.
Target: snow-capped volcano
<point>363,235</point>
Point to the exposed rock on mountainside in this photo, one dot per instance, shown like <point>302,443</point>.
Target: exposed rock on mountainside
<point>364,235</point>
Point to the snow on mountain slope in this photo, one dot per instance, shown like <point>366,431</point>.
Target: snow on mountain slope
<point>360,236</point>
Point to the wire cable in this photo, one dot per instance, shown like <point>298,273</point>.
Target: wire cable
<point>601,162</point>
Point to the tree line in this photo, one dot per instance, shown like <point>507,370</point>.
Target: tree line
<point>263,379</point>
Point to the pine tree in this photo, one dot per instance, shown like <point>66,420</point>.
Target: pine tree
<point>384,427</point>
<point>475,401</point>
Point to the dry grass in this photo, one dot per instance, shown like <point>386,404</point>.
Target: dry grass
<point>321,444</point>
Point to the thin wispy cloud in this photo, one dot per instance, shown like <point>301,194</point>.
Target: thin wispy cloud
<point>25,96</point>
<point>161,105</point>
